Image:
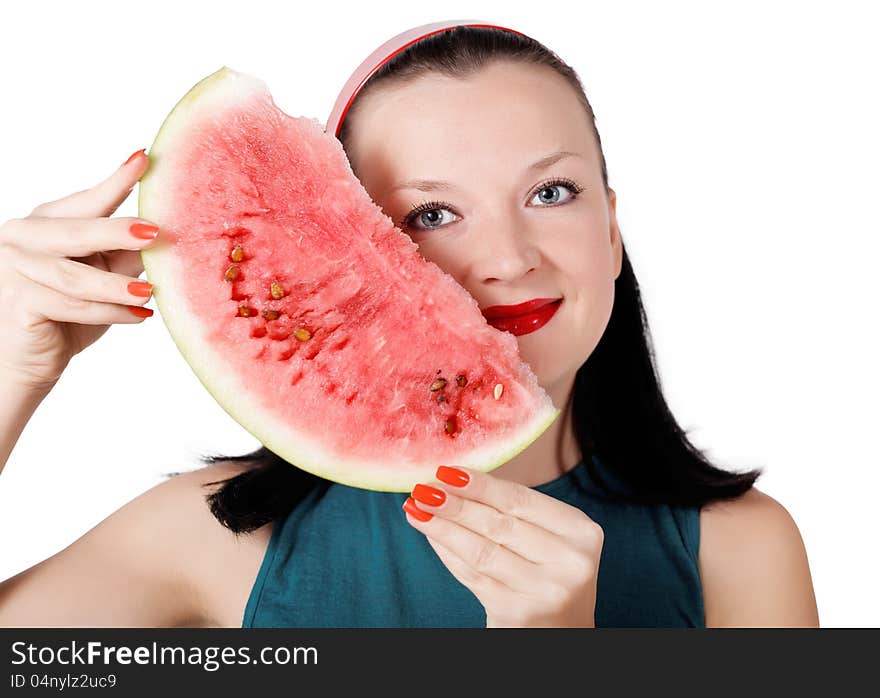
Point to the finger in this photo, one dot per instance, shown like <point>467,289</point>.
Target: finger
<point>482,555</point>
<point>125,262</point>
<point>534,543</point>
<point>48,303</point>
<point>128,263</point>
<point>519,501</point>
<point>76,279</point>
<point>77,237</point>
<point>489,592</point>
<point>100,200</point>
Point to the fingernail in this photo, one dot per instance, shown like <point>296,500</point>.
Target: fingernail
<point>140,288</point>
<point>139,311</point>
<point>144,231</point>
<point>452,476</point>
<point>428,495</point>
<point>409,506</point>
<point>133,156</point>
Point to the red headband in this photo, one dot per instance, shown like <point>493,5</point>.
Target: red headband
<point>385,52</point>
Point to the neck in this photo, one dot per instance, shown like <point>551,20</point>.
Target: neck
<point>553,453</point>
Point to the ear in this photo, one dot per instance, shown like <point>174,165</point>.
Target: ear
<point>616,241</point>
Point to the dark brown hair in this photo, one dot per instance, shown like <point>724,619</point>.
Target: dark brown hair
<point>618,410</point>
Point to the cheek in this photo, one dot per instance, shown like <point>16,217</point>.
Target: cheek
<point>590,267</point>
<point>589,271</point>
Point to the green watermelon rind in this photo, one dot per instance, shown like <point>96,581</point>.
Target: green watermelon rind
<point>222,88</point>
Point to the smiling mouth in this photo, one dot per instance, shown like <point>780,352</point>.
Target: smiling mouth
<point>526,323</point>
<point>508,311</point>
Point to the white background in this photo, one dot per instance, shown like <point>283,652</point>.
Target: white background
<point>742,143</point>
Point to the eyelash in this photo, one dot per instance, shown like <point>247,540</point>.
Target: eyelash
<point>575,189</point>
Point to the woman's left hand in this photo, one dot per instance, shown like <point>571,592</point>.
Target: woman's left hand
<point>530,559</point>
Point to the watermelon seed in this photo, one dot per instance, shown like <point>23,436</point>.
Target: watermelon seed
<point>438,384</point>
<point>270,314</point>
<point>498,390</point>
<point>277,291</point>
<point>231,273</point>
<point>441,397</point>
<point>302,334</point>
<point>244,311</point>
<point>462,381</point>
<point>237,253</point>
<point>450,425</point>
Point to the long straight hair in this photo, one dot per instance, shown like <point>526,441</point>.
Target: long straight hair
<point>618,409</point>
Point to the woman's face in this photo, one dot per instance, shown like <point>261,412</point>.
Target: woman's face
<point>505,231</point>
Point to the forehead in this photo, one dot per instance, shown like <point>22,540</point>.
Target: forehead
<point>509,112</point>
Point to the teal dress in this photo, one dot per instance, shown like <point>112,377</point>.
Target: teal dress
<point>345,557</point>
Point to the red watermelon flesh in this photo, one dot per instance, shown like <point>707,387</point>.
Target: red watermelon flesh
<point>312,320</point>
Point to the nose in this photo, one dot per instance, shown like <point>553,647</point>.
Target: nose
<point>506,249</point>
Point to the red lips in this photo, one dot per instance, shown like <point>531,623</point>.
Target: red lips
<point>524,318</point>
<point>504,311</point>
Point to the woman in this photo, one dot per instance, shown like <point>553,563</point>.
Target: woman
<point>610,518</point>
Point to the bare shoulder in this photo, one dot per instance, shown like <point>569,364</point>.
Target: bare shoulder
<point>753,565</point>
<point>160,560</point>
<point>220,565</point>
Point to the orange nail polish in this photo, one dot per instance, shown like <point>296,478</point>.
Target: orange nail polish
<point>428,495</point>
<point>452,476</point>
<point>140,288</point>
<point>133,156</point>
<point>144,231</point>
<point>409,506</point>
<point>139,311</point>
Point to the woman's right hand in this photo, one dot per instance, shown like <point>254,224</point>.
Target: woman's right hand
<point>67,272</point>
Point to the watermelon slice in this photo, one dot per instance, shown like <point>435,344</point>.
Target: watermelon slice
<point>310,318</point>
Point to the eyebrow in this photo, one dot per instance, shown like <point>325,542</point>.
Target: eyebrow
<point>437,185</point>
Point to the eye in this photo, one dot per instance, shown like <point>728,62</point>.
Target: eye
<point>430,214</point>
<point>552,187</point>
